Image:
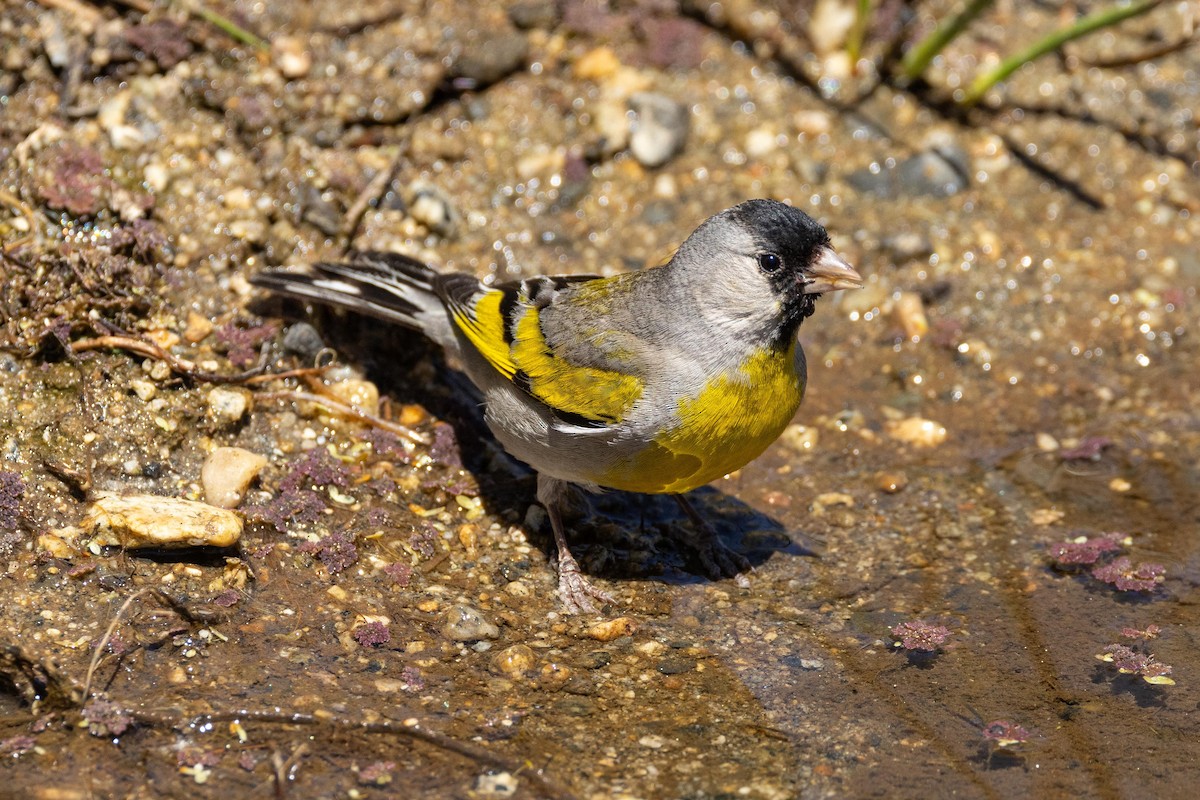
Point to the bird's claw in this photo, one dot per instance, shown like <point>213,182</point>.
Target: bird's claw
<point>575,591</point>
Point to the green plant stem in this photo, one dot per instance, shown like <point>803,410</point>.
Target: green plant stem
<point>858,31</point>
<point>918,58</point>
<point>227,25</point>
<point>1089,24</point>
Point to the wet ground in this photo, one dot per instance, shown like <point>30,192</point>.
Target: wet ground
<point>1019,372</point>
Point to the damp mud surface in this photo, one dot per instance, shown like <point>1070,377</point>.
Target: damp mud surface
<point>998,453</point>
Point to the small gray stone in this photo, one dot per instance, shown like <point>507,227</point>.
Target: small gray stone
<point>433,209</point>
<point>490,58</point>
<point>906,246</point>
<point>303,340</point>
<point>676,665</point>
<point>467,624</point>
<point>939,172</point>
<point>660,130</point>
<point>534,14</point>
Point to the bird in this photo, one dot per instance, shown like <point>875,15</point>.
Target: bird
<point>654,381</point>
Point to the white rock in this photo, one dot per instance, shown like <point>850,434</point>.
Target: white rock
<point>917,431</point>
<point>226,474</point>
<point>227,405</point>
<point>660,130</point>
<point>145,520</point>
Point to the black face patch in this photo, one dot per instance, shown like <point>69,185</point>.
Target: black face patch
<point>795,239</point>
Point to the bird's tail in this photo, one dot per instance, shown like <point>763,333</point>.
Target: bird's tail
<point>388,286</point>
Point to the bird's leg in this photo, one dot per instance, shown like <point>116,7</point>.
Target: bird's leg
<point>574,590</point>
<point>717,560</point>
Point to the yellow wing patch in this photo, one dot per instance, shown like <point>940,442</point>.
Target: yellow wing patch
<point>483,325</point>
<point>522,354</point>
<point>598,395</point>
<point>723,428</point>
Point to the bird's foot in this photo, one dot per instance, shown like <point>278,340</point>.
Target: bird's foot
<point>574,590</point>
<point>716,560</point>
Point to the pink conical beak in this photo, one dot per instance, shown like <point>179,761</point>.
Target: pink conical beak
<point>829,273</point>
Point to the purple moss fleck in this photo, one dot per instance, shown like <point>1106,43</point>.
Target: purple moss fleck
<point>248,760</point>
<point>400,573</point>
<point>378,518</point>
<point>227,599</point>
<point>423,539</point>
<point>412,680</point>
<point>1084,550</point>
<point>1151,632</point>
<point>302,506</point>
<point>372,634</point>
<point>1005,733</point>
<point>378,773</point>
<point>316,469</point>
<point>12,490</point>
<point>1128,661</point>
<point>445,449</point>
<point>387,445</point>
<point>1087,450</point>
<point>1129,577</point>
<point>920,635</point>
<point>16,745</point>
<point>336,551</point>
<point>242,343</point>
<point>106,718</point>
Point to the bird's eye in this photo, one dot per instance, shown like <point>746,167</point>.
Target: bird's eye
<point>769,262</point>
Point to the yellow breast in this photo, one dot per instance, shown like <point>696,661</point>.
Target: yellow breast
<point>727,425</point>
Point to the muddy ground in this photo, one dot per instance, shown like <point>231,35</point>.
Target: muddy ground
<point>1019,372</point>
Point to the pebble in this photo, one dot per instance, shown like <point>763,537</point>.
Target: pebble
<point>906,246</point>
<point>291,56</point>
<point>890,482</point>
<point>227,405</point>
<point>937,172</point>
<point>812,123</point>
<point>761,142</point>
<point>145,390</point>
<point>528,14</point>
<point>610,629</point>
<point>360,394</point>
<point>464,623</point>
<point>596,65</point>
<point>135,521</point>
<point>198,328</point>
<point>909,311</point>
<point>676,665</point>
<point>303,340</point>
<point>554,676</point>
<point>612,125</point>
<point>491,58</point>
<point>514,662</point>
<point>829,24</point>
<point>829,500</point>
<point>226,474</point>
<point>660,129</point>
<point>917,431</point>
<point>1046,443</point>
<point>800,437</point>
<point>497,784</point>
<point>432,208</point>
